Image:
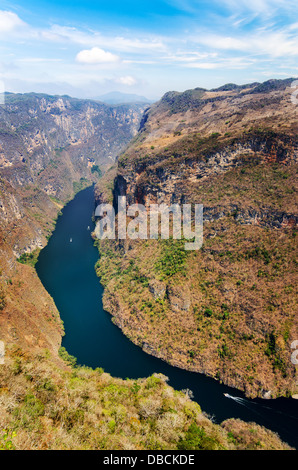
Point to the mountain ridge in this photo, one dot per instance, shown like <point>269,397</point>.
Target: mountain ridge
<point>117,97</point>
<point>231,151</point>
<point>46,401</point>
<point>50,148</point>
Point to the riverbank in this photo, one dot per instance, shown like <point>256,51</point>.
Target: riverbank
<point>56,408</point>
<point>67,271</point>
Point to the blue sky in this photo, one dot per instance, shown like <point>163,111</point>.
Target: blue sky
<point>88,48</point>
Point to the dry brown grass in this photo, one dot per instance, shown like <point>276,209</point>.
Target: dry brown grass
<point>44,406</point>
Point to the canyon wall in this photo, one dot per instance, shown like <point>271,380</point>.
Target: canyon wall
<point>229,309</point>
<point>50,148</point>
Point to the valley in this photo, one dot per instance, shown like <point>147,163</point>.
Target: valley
<point>227,311</point>
<point>50,148</point>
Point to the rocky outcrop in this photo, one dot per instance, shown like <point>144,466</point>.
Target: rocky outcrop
<point>179,299</point>
<point>157,289</point>
<point>50,148</point>
<point>228,310</point>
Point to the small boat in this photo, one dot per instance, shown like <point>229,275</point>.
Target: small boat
<point>70,240</point>
<point>88,228</point>
<point>227,395</point>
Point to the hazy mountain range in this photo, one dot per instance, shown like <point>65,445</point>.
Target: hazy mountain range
<point>116,97</point>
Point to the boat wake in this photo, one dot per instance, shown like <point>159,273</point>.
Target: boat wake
<point>248,403</point>
<point>239,400</point>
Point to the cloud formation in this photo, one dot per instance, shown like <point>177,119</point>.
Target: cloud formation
<point>9,21</point>
<point>96,56</point>
<point>127,80</point>
<point>220,40</point>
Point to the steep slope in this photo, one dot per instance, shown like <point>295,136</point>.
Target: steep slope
<point>45,407</point>
<point>229,309</point>
<point>50,147</point>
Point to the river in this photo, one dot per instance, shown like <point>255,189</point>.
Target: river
<point>66,269</point>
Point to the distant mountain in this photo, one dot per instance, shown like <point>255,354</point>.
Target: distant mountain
<point>116,97</point>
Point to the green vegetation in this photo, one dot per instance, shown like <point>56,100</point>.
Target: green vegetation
<point>6,437</point>
<point>172,259</point>
<point>57,407</point>
<point>29,258</point>
<point>272,351</point>
<point>96,169</point>
<point>68,358</point>
<point>196,439</point>
<point>82,184</point>
<point>2,298</point>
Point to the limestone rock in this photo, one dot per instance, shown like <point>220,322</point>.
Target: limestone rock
<point>157,289</point>
<point>179,299</point>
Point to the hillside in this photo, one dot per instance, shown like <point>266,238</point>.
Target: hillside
<point>45,406</point>
<point>50,148</point>
<point>229,309</point>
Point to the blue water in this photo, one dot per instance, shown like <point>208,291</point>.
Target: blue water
<point>66,269</point>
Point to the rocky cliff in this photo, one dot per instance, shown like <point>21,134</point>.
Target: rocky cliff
<point>227,310</point>
<point>50,147</point>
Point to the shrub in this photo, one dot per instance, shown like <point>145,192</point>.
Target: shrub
<point>2,298</point>
<point>6,440</point>
<point>71,360</point>
<point>196,439</point>
<point>96,169</point>
<point>173,259</point>
<point>29,258</point>
<point>208,312</point>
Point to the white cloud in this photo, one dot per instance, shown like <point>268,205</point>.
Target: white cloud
<point>127,80</point>
<point>135,44</point>
<point>96,56</point>
<point>233,63</point>
<point>204,65</point>
<point>9,21</point>
<point>267,8</point>
<point>36,60</point>
<point>189,56</point>
<point>259,42</point>
<point>224,40</point>
<point>88,38</point>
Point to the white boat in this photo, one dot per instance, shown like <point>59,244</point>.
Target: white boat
<point>70,240</point>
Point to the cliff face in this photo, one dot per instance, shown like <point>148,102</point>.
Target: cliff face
<point>226,310</point>
<point>50,147</point>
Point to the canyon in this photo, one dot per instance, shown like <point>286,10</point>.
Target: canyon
<point>227,310</point>
<point>50,148</point>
